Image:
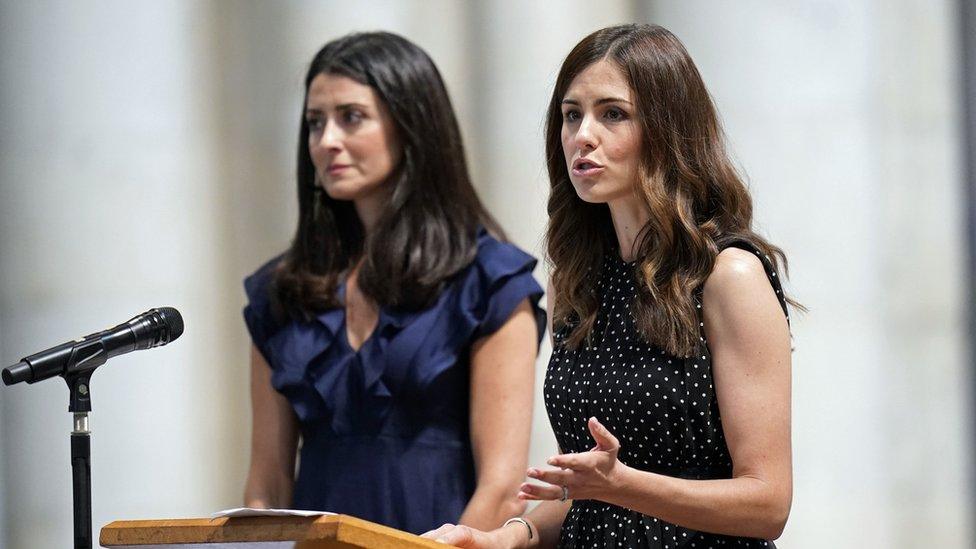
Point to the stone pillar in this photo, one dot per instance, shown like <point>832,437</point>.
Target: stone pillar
<point>109,206</point>
<point>843,116</point>
<point>520,47</point>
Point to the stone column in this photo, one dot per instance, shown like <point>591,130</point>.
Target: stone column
<point>843,116</point>
<point>109,206</point>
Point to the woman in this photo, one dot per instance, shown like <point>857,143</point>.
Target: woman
<point>396,336</point>
<point>669,384</point>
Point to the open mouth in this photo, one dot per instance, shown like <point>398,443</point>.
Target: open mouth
<point>583,168</point>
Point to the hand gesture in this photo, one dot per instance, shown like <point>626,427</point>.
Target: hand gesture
<point>586,475</point>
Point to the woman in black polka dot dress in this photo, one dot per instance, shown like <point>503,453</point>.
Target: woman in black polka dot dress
<point>668,389</point>
<point>661,408</point>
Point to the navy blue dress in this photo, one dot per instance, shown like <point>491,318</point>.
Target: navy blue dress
<point>384,429</point>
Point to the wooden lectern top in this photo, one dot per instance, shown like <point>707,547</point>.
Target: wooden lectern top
<point>322,532</point>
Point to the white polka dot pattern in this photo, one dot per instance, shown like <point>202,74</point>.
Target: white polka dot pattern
<point>662,409</point>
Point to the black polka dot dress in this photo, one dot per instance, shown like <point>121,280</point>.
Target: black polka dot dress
<point>660,407</point>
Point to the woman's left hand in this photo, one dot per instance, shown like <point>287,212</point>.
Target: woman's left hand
<point>587,475</point>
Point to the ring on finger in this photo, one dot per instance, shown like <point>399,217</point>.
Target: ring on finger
<point>565,493</point>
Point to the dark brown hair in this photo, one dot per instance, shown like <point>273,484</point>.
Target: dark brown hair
<point>698,203</point>
<point>428,231</point>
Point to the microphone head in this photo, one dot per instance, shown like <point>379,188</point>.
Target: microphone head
<point>173,321</point>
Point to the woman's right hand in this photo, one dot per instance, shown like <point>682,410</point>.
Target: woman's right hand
<point>471,538</point>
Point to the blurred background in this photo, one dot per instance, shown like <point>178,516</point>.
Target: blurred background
<point>147,157</point>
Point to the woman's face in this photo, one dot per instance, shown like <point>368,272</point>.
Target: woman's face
<point>351,137</point>
<point>601,135</point>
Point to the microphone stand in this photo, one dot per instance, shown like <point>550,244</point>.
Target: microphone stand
<point>79,406</point>
<point>84,358</point>
<point>153,328</point>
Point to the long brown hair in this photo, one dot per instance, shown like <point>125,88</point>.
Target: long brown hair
<point>428,230</point>
<point>698,203</point>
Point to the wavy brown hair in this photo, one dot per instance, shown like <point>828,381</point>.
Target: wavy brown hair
<point>428,230</point>
<point>698,204</point>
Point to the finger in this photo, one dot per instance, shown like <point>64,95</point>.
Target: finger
<point>460,536</point>
<point>558,477</point>
<point>434,534</point>
<point>604,439</point>
<point>568,461</point>
<point>541,491</point>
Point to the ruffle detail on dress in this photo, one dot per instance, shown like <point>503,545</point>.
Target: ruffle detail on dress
<point>501,278</point>
<point>485,295</point>
<point>293,357</point>
<point>325,379</point>
<point>314,366</point>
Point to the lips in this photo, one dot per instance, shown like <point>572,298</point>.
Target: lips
<point>584,167</point>
<point>336,169</point>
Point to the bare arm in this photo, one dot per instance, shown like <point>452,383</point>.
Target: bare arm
<point>750,343</point>
<point>749,339</point>
<point>274,440</point>
<point>545,520</point>
<point>502,377</point>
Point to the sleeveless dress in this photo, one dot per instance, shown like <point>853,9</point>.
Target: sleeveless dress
<point>384,429</point>
<point>661,408</point>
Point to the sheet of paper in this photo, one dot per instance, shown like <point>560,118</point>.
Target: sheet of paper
<point>250,512</point>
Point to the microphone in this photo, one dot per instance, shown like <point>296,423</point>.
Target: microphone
<point>152,328</point>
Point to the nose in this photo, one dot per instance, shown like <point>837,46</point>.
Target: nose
<point>585,139</point>
<point>331,138</point>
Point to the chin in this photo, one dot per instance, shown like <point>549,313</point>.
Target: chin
<point>590,199</point>
<point>339,194</point>
<point>345,190</point>
<point>353,188</point>
<point>602,191</point>
<point>588,192</point>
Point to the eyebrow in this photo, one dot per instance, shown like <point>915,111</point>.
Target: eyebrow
<point>599,101</point>
<point>342,107</point>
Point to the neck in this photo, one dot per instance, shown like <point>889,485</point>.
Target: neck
<point>629,216</point>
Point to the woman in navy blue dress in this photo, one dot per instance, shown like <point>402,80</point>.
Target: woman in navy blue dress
<point>395,338</point>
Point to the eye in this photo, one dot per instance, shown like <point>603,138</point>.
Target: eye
<point>352,116</point>
<point>315,123</point>
<point>571,115</point>
<point>614,114</point>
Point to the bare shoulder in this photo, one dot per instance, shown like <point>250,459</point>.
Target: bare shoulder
<point>736,271</point>
<point>738,298</point>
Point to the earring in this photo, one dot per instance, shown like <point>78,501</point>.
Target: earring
<point>318,189</point>
<point>317,198</point>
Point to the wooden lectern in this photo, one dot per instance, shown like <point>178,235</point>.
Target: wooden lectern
<point>322,532</point>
